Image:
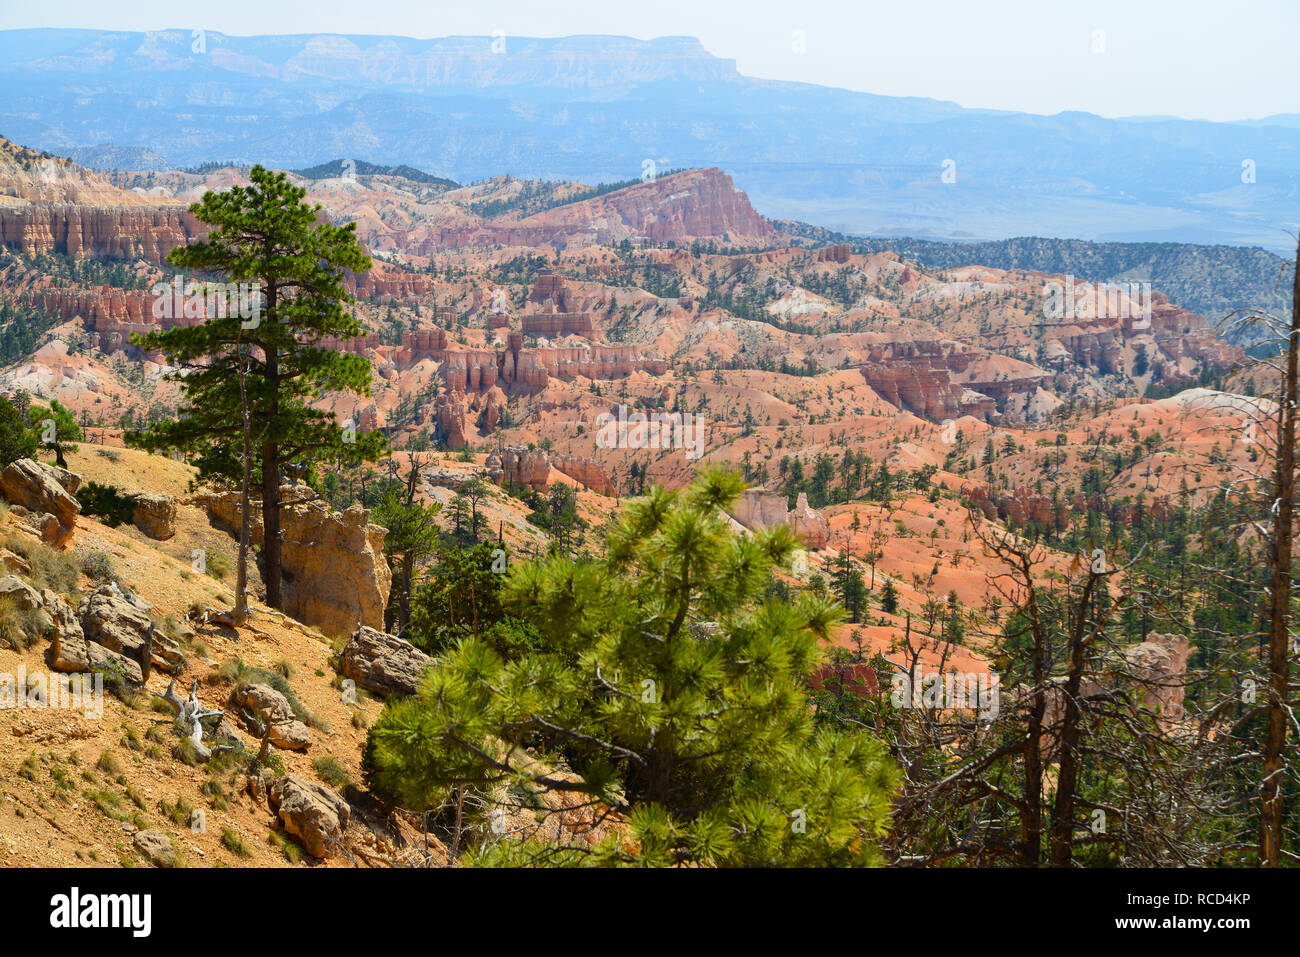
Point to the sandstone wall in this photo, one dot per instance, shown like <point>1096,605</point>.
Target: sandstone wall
<point>335,574</point>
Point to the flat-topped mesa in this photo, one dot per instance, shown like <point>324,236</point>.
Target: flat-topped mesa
<point>102,232</point>
<point>552,325</point>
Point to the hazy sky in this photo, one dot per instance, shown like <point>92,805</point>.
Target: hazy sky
<point>1208,59</point>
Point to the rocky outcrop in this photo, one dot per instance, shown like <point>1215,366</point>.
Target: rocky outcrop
<point>516,465</point>
<point>335,574</point>
<point>550,288</point>
<point>517,369</point>
<point>809,524</point>
<point>256,700</point>
<point>157,847</point>
<point>756,509</point>
<point>383,663</point>
<point>701,203</point>
<point>1159,665</point>
<point>926,391</point>
<point>101,232</point>
<point>451,419</point>
<point>310,812</point>
<point>587,471</point>
<point>20,593</point>
<point>551,325</point>
<point>109,620</point>
<point>155,515</point>
<point>42,489</point>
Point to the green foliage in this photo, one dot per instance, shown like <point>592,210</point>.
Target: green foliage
<point>301,296</point>
<point>671,689</point>
<point>20,627</point>
<point>460,597</point>
<point>274,362</point>
<point>16,440</point>
<point>331,772</point>
<point>106,502</point>
<point>55,428</point>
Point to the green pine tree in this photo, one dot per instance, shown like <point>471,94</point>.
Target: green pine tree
<point>16,440</point>
<point>669,688</point>
<point>265,235</point>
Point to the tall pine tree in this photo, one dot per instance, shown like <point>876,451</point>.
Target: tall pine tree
<point>294,262</point>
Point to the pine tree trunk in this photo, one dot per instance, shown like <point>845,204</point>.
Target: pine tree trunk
<point>1279,640</point>
<point>271,489</point>
<point>240,613</point>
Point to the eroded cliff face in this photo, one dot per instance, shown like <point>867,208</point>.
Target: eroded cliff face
<point>104,232</point>
<point>517,465</point>
<point>335,574</point>
<point>756,509</point>
<point>696,203</point>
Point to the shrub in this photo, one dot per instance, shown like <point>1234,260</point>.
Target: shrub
<point>98,567</point>
<point>331,772</point>
<point>108,763</point>
<point>234,841</point>
<point>106,502</point>
<point>217,565</point>
<point>19,626</point>
<point>287,846</point>
<point>51,569</point>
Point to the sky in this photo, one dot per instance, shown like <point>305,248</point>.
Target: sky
<point>1196,59</point>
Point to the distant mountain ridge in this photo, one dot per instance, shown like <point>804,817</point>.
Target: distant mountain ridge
<point>598,109</point>
<point>1211,280</point>
<point>340,167</point>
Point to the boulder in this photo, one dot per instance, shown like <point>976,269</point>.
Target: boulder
<point>156,846</point>
<point>383,663</point>
<point>155,515</point>
<point>311,812</point>
<point>1159,664</point>
<point>71,652</point>
<point>25,596</point>
<point>14,563</point>
<point>63,618</point>
<point>287,732</point>
<point>42,488</point>
<point>109,619</point>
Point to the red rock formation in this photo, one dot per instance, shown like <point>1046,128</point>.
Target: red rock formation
<point>809,524</point>
<point>552,325</point>
<point>587,471</point>
<point>516,465</point>
<point>104,232</point>
<point>757,509</point>
<point>550,287</point>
